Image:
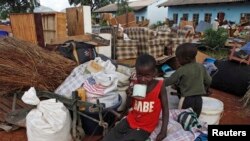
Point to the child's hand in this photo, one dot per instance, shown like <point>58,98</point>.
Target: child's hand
<point>161,136</point>
<point>123,114</point>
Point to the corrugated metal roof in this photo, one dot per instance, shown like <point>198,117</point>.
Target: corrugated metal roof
<point>141,3</point>
<point>191,2</point>
<point>135,5</point>
<point>107,8</point>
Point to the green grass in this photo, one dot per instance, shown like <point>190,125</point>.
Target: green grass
<point>217,54</point>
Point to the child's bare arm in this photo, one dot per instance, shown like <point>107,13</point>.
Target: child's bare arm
<point>207,82</point>
<point>165,113</point>
<point>207,79</point>
<point>128,101</point>
<point>172,79</point>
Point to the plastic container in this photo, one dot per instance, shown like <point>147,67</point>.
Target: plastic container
<point>212,110</point>
<point>166,68</point>
<point>209,60</point>
<point>3,33</point>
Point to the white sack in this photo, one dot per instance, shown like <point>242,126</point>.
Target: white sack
<point>50,121</point>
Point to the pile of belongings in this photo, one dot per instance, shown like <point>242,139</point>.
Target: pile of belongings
<point>176,131</point>
<point>241,54</point>
<point>100,80</point>
<point>246,48</point>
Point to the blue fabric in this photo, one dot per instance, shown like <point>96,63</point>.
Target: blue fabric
<point>209,60</point>
<point>201,137</point>
<point>246,48</point>
<point>210,67</point>
<point>3,33</point>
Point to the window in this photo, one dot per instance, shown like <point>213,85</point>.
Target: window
<point>137,19</point>
<point>208,17</point>
<point>196,19</point>
<point>142,18</point>
<point>185,17</point>
<point>247,15</point>
<point>175,18</point>
<point>244,17</point>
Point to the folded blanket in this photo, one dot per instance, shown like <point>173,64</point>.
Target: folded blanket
<point>176,131</point>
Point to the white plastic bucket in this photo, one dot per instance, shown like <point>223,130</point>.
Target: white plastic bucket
<point>212,110</point>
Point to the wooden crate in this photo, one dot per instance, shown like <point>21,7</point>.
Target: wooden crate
<point>28,27</point>
<point>79,20</point>
<point>6,28</point>
<point>126,20</point>
<point>54,26</point>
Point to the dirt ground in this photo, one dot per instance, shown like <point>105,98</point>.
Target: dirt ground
<point>233,114</point>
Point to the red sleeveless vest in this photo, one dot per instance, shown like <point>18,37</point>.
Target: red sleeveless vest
<point>145,112</point>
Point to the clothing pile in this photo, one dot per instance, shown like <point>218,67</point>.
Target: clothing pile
<point>176,132</point>
<point>103,86</point>
<point>100,80</point>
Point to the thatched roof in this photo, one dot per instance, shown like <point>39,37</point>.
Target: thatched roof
<point>196,2</point>
<point>135,5</point>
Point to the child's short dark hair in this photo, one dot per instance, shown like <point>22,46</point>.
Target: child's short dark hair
<point>186,51</point>
<point>145,60</point>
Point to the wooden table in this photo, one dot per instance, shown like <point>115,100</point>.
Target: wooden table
<point>233,43</point>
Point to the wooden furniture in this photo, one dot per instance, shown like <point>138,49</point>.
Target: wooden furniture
<point>232,56</point>
<point>126,20</point>
<point>28,27</point>
<point>5,28</point>
<point>79,20</point>
<point>78,38</point>
<point>54,26</point>
<point>200,57</point>
<point>39,28</point>
<point>127,62</point>
<point>232,43</point>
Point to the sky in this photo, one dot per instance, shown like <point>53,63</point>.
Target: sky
<point>57,5</point>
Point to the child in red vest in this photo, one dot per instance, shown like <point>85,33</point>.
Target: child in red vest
<point>144,114</point>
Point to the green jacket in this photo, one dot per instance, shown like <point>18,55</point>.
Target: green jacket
<point>192,79</point>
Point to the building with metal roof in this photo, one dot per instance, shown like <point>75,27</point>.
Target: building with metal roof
<point>207,10</point>
<point>143,9</point>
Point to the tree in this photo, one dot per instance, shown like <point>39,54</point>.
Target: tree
<point>16,6</point>
<point>94,4</point>
<point>123,7</point>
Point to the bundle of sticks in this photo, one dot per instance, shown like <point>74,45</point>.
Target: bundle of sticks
<point>23,65</point>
